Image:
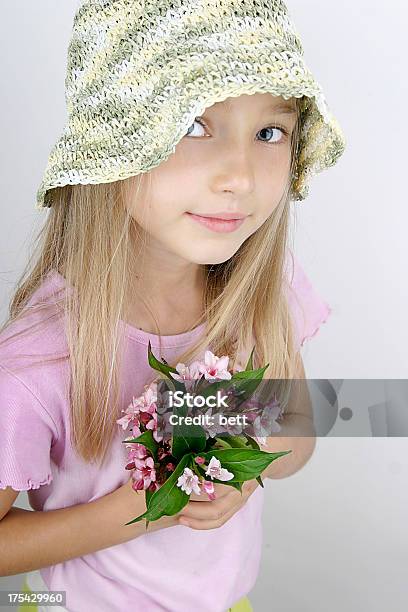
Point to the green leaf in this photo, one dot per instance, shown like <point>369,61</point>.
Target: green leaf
<point>255,445</point>
<point>146,438</point>
<point>252,442</point>
<point>259,479</point>
<point>212,388</point>
<point>249,374</point>
<point>200,470</point>
<point>221,442</point>
<point>148,494</point>
<point>247,383</point>
<point>250,365</point>
<point>244,463</point>
<point>237,442</point>
<point>169,499</point>
<point>186,438</point>
<point>158,365</point>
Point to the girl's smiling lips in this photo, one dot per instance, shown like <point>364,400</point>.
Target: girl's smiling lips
<point>223,223</point>
<point>222,215</point>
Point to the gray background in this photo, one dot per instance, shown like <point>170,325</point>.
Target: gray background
<point>335,532</point>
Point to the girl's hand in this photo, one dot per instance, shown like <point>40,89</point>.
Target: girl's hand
<point>133,503</point>
<point>211,514</point>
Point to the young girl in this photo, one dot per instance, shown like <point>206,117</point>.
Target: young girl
<point>180,114</point>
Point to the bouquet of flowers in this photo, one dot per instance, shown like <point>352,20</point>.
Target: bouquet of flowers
<point>174,451</point>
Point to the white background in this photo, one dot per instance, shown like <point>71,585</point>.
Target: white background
<point>335,533</point>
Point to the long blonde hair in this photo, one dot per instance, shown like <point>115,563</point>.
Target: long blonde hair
<point>89,236</point>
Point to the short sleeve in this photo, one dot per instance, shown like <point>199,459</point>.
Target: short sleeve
<point>307,308</point>
<point>26,436</point>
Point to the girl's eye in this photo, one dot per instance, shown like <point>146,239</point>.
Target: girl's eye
<point>275,134</point>
<point>273,130</point>
<point>192,125</point>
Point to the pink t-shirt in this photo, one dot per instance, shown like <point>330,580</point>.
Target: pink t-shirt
<point>177,569</point>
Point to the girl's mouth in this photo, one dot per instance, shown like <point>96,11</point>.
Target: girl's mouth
<point>217,225</point>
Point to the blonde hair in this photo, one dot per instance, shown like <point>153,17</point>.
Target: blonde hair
<point>89,236</point>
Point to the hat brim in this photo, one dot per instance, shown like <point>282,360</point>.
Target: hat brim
<point>99,146</point>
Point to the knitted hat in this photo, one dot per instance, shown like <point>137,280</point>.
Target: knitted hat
<point>140,71</point>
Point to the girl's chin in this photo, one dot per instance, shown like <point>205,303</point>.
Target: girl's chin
<point>211,256</point>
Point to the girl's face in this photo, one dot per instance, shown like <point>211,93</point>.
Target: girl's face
<point>234,159</point>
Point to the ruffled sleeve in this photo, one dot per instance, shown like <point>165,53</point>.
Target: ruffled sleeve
<point>27,432</point>
<point>308,309</point>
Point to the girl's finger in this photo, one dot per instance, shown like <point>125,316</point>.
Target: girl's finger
<point>204,511</point>
<point>213,523</point>
<point>207,516</point>
<point>208,510</point>
<point>215,509</point>
<point>202,497</point>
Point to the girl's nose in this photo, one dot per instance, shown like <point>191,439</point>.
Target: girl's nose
<point>234,170</point>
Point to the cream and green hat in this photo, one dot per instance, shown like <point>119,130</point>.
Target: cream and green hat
<point>139,72</point>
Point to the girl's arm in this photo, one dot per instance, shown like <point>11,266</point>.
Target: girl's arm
<point>297,431</point>
<point>30,540</point>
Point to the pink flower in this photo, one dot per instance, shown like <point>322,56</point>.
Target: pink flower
<point>208,487</point>
<point>137,451</point>
<point>191,372</point>
<point>215,367</point>
<point>166,428</point>
<point>250,416</point>
<point>266,423</point>
<point>152,422</point>
<point>144,473</point>
<point>188,482</point>
<point>137,485</point>
<point>214,427</point>
<point>153,425</point>
<point>161,453</point>
<point>131,417</point>
<point>147,406</point>
<point>151,392</point>
<point>146,410</point>
<point>149,396</point>
<point>136,431</point>
<point>142,413</point>
<point>199,460</point>
<point>130,445</point>
<point>145,402</point>
<point>139,410</point>
<point>215,470</point>
<point>124,421</point>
